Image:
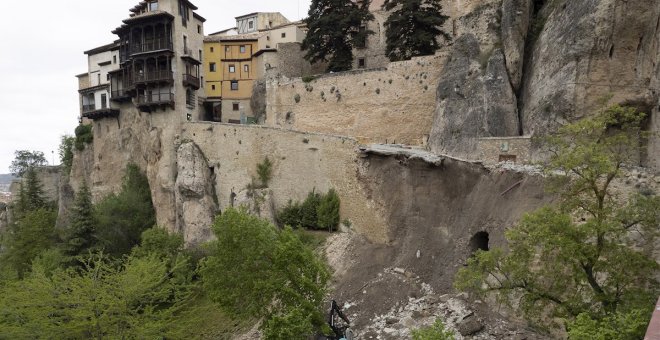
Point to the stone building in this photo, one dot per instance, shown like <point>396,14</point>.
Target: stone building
<point>371,53</point>
<point>237,57</point>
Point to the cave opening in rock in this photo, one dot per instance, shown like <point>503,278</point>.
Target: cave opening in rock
<point>479,242</point>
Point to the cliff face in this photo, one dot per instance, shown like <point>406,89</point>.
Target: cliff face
<point>563,58</point>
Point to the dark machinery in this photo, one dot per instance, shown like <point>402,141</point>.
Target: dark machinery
<point>339,323</point>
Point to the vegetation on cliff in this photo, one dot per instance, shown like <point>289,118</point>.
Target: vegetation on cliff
<point>317,211</point>
<point>587,259</point>
<point>24,160</point>
<point>413,28</point>
<point>334,29</point>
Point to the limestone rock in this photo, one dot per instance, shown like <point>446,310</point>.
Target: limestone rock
<point>66,201</point>
<point>470,326</point>
<point>474,100</point>
<point>195,205</point>
<point>516,17</point>
<point>587,50</point>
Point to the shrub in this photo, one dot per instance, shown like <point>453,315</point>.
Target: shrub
<point>290,215</point>
<point>435,332</point>
<point>66,152</point>
<point>265,172</point>
<point>84,136</point>
<point>328,211</point>
<point>296,98</point>
<point>308,79</point>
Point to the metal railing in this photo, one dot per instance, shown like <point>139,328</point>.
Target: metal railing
<point>153,76</point>
<point>152,45</point>
<point>118,93</point>
<point>155,98</point>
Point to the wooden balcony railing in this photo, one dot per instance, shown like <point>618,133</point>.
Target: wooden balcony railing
<point>153,76</point>
<point>190,80</point>
<point>155,98</point>
<point>153,45</point>
<point>88,107</point>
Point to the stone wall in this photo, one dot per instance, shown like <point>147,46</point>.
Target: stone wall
<point>302,162</point>
<point>393,104</point>
<point>48,176</point>
<point>496,149</point>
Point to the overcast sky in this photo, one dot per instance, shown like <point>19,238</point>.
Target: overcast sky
<point>41,50</point>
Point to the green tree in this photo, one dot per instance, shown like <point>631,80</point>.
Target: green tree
<point>290,215</point>
<point>308,210</point>
<point>24,160</point>
<point>140,299</point>
<point>435,332</point>
<point>80,236</point>
<point>334,29</point>
<point>27,238</point>
<point>413,27</point>
<point>578,257</point>
<point>121,218</point>
<point>65,151</point>
<point>257,270</point>
<point>31,195</point>
<point>328,211</point>
<point>620,325</point>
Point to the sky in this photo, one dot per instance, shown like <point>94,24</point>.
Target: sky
<point>41,51</point>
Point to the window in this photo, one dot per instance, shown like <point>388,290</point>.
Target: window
<point>283,35</point>
<point>202,82</point>
<point>234,85</point>
<point>104,101</point>
<point>361,40</point>
<point>114,59</point>
<point>246,68</point>
<point>107,77</point>
<point>153,6</point>
<point>250,24</point>
<point>242,48</point>
<point>213,87</point>
<point>199,29</point>
<point>98,79</point>
<point>185,45</point>
<point>211,49</point>
<point>227,49</point>
<point>362,63</point>
<point>200,55</point>
<point>232,69</point>
<point>235,106</point>
<point>212,67</point>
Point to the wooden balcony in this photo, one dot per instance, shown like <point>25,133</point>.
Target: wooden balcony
<point>152,46</point>
<point>88,108</point>
<point>100,113</point>
<point>120,95</point>
<point>191,80</point>
<point>153,77</point>
<point>145,102</point>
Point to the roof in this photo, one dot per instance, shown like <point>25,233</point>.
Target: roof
<point>199,17</point>
<point>145,15</point>
<point>297,23</point>
<point>223,31</point>
<point>247,15</point>
<point>105,48</point>
<point>239,37</point>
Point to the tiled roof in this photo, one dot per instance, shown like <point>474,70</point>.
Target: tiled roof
<point>247,36</point>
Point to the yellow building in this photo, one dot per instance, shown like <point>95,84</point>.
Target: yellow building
<point>230,74</point>
<point>231,62</point>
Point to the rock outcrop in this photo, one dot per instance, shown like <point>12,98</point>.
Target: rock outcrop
<point>516,18</point>
<point>475,99</point>
<point>194,195</point>
<point>584,51</point>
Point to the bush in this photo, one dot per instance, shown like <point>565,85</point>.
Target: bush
<point>290,215</point>
<point>316,212</point>
<point>66,152</point>
<point>328,211</point>
<point>435,332</point>
<point>84,136</point>
<point>265,172</point>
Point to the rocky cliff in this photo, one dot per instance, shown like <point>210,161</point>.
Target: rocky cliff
<point>541,63</point>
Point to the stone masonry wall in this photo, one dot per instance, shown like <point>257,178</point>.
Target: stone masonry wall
<point>491,150</point>
<point>302,162</point>
<point>386,105</point>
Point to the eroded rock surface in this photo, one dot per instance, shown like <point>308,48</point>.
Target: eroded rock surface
<point>195,205</point>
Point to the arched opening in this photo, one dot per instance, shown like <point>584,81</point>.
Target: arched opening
<point>479,242</point>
